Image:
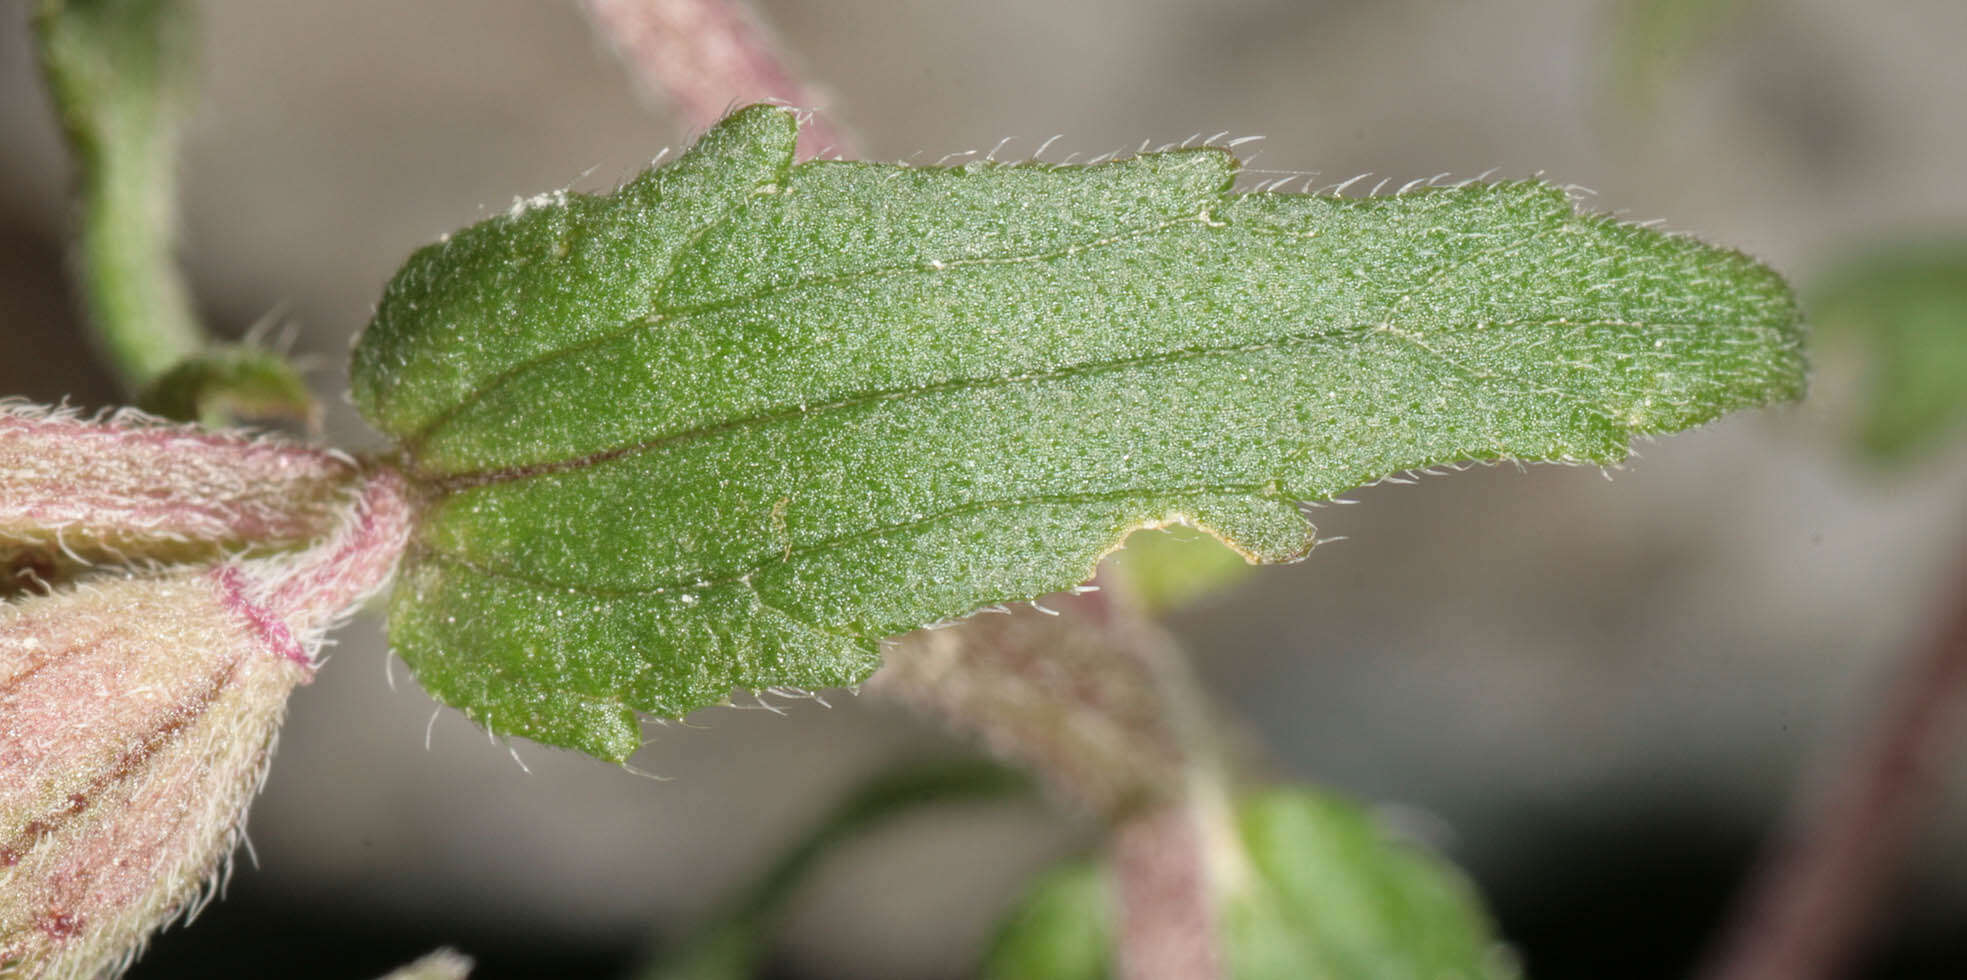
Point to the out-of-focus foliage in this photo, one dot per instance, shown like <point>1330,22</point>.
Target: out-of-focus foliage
<point>1906,305</point>
<point>1061,930</point>
<point>1319,891</point>
<point>1652,40</point>
<point>735,944</point>
<point>1167,570</point>
<point>442,964</point>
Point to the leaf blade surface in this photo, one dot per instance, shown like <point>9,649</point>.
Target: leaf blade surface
<point>847,399</point>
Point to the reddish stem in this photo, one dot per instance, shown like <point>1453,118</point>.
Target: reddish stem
<point>1166,904</point>
<point>708,57</point>
<point>1804,914</point>
<point>1097,701</point>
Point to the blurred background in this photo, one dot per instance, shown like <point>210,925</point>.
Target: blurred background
<point>1595,694</point>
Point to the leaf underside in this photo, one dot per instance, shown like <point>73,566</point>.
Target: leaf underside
<point>732,424</point>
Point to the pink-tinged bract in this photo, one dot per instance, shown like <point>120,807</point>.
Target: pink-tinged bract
<point>137,714</point>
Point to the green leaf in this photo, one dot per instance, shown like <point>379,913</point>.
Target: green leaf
<point>1907,305</point>
<point>232,385</point>
<point>733,424</point>
<point>1328,895</point>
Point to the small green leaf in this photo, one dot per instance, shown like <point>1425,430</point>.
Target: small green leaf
<point>1328,895</point>
<point>230,386</point>
<point>1907,304</point>
<point>733,424</point>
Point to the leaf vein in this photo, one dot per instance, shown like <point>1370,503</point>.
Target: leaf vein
<point>719,578</point>
<point>779,413</point>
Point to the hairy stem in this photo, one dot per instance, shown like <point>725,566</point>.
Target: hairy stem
<point>1804,914</point>
<point>118,73</point>
<point>1097,701</point>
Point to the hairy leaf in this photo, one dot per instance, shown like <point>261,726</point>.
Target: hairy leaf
<point>732,424</point>
<point>1323,893</point>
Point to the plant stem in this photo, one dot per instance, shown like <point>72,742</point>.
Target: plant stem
<point>1078,698</point>
<point>732,944</point>
<point>1167,925</point>
<point>708,57</point>
<point>138,303</point>
<point>1803,916</point>
<point>1097,701</point>
<point>118,72</point>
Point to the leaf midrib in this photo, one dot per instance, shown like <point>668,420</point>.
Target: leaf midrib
<point>453,483</point>
<point>741,576</point>
<point>716,577</point>
<point>661,313</point>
